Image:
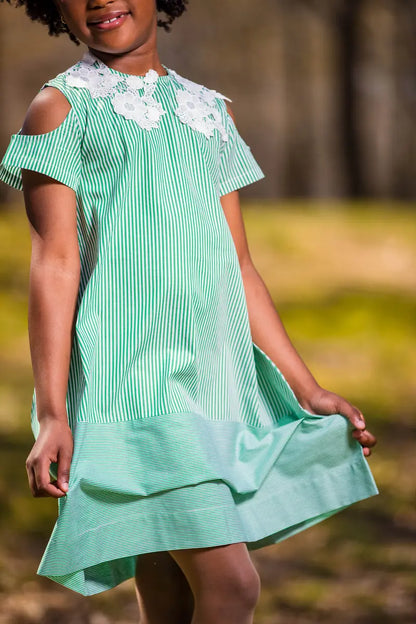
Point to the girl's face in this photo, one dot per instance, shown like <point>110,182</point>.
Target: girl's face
<point>110,26</point>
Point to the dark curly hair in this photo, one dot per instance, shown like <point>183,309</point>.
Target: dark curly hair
<point>45,11</point>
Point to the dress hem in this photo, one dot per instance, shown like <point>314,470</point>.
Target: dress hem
<point>256,521</point>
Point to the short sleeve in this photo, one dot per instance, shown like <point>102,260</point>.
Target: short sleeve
<point>238,167</point>
<point>56,154</point>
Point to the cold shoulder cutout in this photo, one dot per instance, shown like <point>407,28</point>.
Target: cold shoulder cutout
<point>49,142</point>
<point>230,112</point>
<point>46,112</point>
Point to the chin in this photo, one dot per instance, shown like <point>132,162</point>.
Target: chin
<point>108,46</point>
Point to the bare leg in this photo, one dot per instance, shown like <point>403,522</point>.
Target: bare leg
<point>224,582</point>
<point>162,590</point>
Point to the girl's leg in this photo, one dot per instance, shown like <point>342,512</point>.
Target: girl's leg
<point>224,582</point>
<point>162,590</point>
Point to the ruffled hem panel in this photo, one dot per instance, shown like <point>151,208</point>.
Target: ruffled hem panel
<point>190,517</point>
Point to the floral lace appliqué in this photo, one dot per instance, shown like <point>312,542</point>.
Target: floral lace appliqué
<point>132,96</point>
<point>92,74</point>
<point>197,107</point>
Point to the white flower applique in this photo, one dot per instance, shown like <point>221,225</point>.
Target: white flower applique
<point>92,74</point>
<point>196,103</point>
<point>197,107</point>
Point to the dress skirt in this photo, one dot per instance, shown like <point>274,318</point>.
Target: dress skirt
<point>200,483</point>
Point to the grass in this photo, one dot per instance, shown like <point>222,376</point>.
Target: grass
<point>343,279</point>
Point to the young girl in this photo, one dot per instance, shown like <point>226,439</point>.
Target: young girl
<point>183,426</point>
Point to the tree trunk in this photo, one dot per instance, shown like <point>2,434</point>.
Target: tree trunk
<point>347,25</point>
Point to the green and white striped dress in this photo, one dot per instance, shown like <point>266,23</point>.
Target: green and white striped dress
<point>186,434</point>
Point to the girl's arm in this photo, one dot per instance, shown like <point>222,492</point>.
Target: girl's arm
<point>270,335</point>
<point>53,290</point>
<point>267,329</point>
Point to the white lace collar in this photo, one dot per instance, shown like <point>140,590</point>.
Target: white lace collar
<point>133,96</point>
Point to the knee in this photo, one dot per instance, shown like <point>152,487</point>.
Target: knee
<point>240,590</point>
<point>247,589</point>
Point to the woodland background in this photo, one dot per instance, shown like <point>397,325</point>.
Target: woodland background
<point>324,92</point>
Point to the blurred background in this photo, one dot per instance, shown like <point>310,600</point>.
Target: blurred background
<point>324,92</point>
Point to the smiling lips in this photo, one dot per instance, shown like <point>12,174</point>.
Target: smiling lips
<point>109,20</point>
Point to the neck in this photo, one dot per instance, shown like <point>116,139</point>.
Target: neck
<point>136,62</point>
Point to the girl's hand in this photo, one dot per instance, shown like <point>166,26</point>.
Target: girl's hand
<point>325,402</point>
<point>53,444</point>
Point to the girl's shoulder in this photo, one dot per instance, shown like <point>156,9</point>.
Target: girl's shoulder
<point>53,108</point>
<point>60,82</point>
<point>61,100</point>
<point>46,111</point>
